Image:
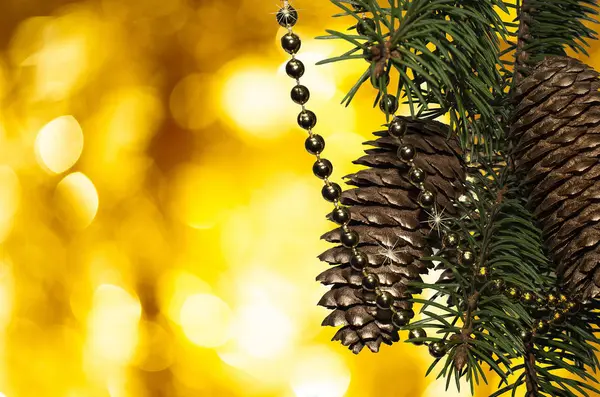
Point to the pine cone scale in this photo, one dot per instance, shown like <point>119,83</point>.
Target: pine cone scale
<point>556,137</point>
<point>393,230</point>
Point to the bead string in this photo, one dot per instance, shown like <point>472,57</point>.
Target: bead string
<point>559,305</point>
<point>322,168</point>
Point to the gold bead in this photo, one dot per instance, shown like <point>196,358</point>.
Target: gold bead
<point>467,258</point>
<point>450,240</point>
<point>558,318</point>
<point>482,273</point>
<point>542,326</point>
<point>527,297</point>
<point>562,299</point>
<point>513,293</point>
<point>552,300</point>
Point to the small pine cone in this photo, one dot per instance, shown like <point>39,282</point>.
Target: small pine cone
<point>393,229</point>
<point>556,136</point>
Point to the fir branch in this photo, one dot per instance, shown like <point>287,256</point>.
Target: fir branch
<point>524,264</point>
<point>551,27</point>
<point>445,53</point>
<point>504,234</point>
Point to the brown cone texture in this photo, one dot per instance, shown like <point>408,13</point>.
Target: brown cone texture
<point>385,213</point>
<point>556,136</point>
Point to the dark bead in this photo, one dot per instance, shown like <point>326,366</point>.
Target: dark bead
<point>416,175</point>
<point>300,94</point>
<point>307,119</point>
<point>397,128</point>
<point>366,27</point>
<point>540,302</point>
<point>385,300</point>
<point>331,192</point>
<point>287,16</point>
<point>437,349</point>
<point>527,298</point>
<point>314,144</point>
<point>370,282</point>
<point>498,286</point>
<point>482,274</point>
<point>513,293</point>
<point>526,335</point>
<point>294,68</point>
<point>322,168</point>
<point>401,318</point>
<point>376,81</point>
<point>573,307</point>
<point>406,153</point>
<point>341,215</point>
<point>552,300</point>
<point>542,326</point>
<point>467,258</point>
<point>426,199</point>
<point>349,239</point>
<point>388,104</point>
<point>291,43</point>
<point>359,261</point>
<point>418,333</point>
<point>558,318</point>
<point>384,315</point>
<point>450,240</point>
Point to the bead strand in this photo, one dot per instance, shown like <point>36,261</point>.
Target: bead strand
<point>322,168</point>
<point>426,200</point>
<point>559,305</point>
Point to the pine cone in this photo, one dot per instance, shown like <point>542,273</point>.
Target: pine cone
<point>393,230</point>
<point>556,138</point>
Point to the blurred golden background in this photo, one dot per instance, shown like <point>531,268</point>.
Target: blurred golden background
<point>159,221</point>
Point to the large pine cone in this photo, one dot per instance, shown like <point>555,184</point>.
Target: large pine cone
<point>556,137</point>
<point>393,230</point>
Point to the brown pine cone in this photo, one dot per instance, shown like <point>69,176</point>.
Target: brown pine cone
<point>393,230</point>
<point>556,138</point>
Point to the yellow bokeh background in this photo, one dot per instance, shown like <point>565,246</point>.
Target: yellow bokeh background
<point>159,223</point>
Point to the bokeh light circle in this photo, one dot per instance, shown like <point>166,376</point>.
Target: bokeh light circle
<point>268,330</point>
<point>320,372</point>
<point>76,200</point>
<point>59,144</point>
<point>253,99</point>
<point>113,323</point>
<point>206,320</point>
<point>191,102</point>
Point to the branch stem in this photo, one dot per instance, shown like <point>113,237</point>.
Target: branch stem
<point>523,36</point>
<point>531,380</point>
